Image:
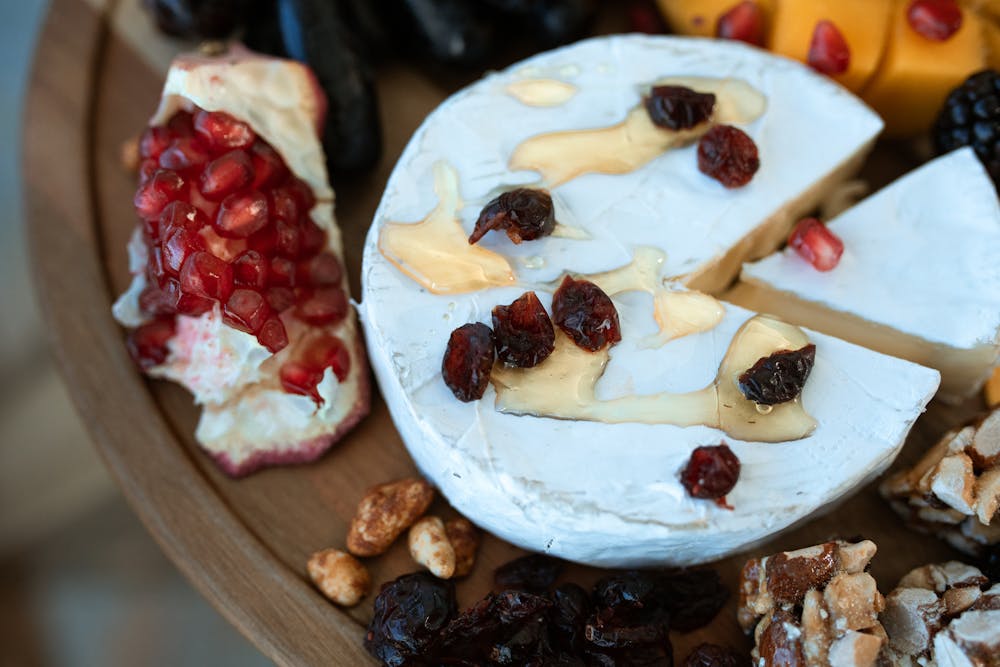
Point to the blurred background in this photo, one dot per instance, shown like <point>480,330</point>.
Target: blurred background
<point>81,582</point>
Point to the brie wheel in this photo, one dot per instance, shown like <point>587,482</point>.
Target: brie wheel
<point>609,493</point>
<point>919,277</point>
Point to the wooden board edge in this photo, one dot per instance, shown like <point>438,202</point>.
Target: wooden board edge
<point>271,605</point>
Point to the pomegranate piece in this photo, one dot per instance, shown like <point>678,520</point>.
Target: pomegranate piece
<point>148,343</point>
<point>779,377</point>
<point>204,274</point>
<point>246,310</point>
<point>272,335</point>
<point>181,215</point>
<point>287,238</point>
<point>313,238</point>
<point>146,170</point>
<point>184,153</point>
<point>645,18</point>
<point>162,188</point>
<point>815,243</point>
<point>250,270</point>
<point>523,332</point>
<point>221,131</point>
<point>268,167</point>
<point>744,23</point>
<point>189,304</point>
<point>678,108</point>
<point>153,142</point>
<point>284,204</point>
<point>181,124</point>
<point>241,215</point>
<point>226,174</point>
<point>828,51</point>
<point>177,247</point>
<point>322,306</point>
<point>468,361</point>
<point>711,473</point>
<point>280,298</point>
<point>524,213</point>
<point>728,155</point>
<point>321,270</point>
<point>298,378</point>
<point>282,272</point>
<point>586,314</point>
<point>937,20</point>
<point>159,301</point>
<point>328,351</point>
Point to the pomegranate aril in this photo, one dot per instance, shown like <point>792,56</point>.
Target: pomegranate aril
<point>226,174</point>
<point>246,310</point>
<point>159,301</point>
<point>282,272</point>
<point>744,22</point>
<point>221,131</point>
<point>184,153</point>
<point>189,304</point>
<point>250,270</point>
<point>321,270</point>
<point>280,298</point>
<point>326,305</point>
<point>146,170</point>
<point>645,18</point>
<point>164,187</point>
<point>313,237</point>
<point>178,246</point>
<point>268,167</point>
<point>241,215</point>
<point>181,124</point>
<point>153,142</point>
<point>265,241</point>
<point>303,194</point>
<point>155,269</point>
<point>181,215</point>
<point>284,205</point>
<point>298,378</point>
<point>936,20</point>
<point>272,335</point>
<point>288,238</point>
<point>148,343</point>
<point>815,243</point>
<point>828,50</point>
<point>204,274</point>
<point>328,352</point>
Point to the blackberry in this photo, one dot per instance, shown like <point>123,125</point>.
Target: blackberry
<point>971,117</point>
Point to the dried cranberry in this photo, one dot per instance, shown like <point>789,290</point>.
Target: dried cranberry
<point>534,572</point>
<point>409,614</point>
<point>693,598</point>
<point>678,108</point>
<point>525,215</point>
<point>744,22</point>
<point>468,361</point>
<point>936,20</point>
<point>523,332</point>
<point>586,314</point>
<point>779,377</point>
<point>828,51</point>
<point>728,155</point>
<point>713,655</point>
<point>711,472</point>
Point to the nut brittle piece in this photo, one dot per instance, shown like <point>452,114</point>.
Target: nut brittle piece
<point>815,606</point>
<point>954,490</point>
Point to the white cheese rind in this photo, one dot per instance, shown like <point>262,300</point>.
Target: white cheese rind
<point>921,257</point>
<point>610,494</point>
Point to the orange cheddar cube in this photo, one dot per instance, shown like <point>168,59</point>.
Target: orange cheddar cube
<point>917,74</point>
<point>864,25</point>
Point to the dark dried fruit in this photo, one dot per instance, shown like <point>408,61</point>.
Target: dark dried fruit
<point>523,332</point>
<point>468,360</point>
<point>609,634</point>
<point>778,378</point>
<point>678,108</point>
<point>409,614</point>
<point>660,655</point>
<point>991,564</point>
<point>534,572</point>
<point>504,628</point>
<point>586,314</point>
<point>525,215</point>
<point>693,598</point>
<point>713,655</point>
<point>568,615</point>
<point>711,473</point>
<point>728,155</point>
<point>626,594</point>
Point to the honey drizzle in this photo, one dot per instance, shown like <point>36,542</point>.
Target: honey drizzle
<point>622,148</point>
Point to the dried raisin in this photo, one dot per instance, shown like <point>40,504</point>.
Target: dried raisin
<point>728,155</point>
<point>677,107</point>
<point>779,377</point>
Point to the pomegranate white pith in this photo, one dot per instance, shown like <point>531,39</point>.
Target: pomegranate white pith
<point>252,414</point>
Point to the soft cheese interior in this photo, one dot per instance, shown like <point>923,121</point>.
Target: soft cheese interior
<point>598,492</point>
<point>248,420</point>
<point>919,277</point>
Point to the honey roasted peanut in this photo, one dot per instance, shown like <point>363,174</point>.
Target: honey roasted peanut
<point>339,576</point>
<point>385,512</point>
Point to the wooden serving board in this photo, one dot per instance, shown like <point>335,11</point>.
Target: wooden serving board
<point>244,544</point>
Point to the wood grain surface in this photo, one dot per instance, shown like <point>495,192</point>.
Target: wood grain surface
<point>245,543</point>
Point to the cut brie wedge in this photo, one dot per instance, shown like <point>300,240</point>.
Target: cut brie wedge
<point>919,277</point>
<point>593,474</point>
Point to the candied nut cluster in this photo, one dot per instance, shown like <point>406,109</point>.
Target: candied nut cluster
<point>940,615</point>
<point>954,490</point>
<point>815,606</point>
